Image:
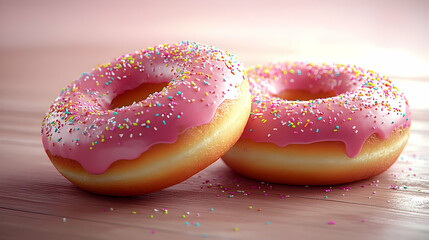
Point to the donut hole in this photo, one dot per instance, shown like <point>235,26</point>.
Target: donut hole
<point>137,94</point>
<point>303,95</point>
<point>303,82</point>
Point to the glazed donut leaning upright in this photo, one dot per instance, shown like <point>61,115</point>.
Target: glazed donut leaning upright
<point>320,124</point>
<point>106,135</point>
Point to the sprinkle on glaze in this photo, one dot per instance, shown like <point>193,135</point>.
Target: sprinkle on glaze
<point>366,103</point>
<point>81,126</point>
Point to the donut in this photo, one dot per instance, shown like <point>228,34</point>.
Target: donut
<point>147,120</point>
<point>320,124</point>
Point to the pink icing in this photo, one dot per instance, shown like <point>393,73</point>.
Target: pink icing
<point>81,126</point>
<point>366,103</point>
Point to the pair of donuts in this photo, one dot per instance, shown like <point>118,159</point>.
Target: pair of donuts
<point>153,118</point>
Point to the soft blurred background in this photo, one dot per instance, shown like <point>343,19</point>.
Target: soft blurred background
<point>44,45</point>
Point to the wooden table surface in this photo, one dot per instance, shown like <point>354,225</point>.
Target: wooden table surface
<point>45,46</point>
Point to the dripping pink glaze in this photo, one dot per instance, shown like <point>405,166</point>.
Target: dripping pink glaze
<point>366,103</point>
<point>81,126</point>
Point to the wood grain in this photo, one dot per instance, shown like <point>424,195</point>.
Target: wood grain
<point>35,199</point>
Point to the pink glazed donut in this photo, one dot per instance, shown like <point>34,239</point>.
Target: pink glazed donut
<point>348,124</point>
<point>147,120</point>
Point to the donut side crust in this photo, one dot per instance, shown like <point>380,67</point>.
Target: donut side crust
<point>320,163</point>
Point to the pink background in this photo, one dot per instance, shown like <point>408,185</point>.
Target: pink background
<point>389,37</point>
